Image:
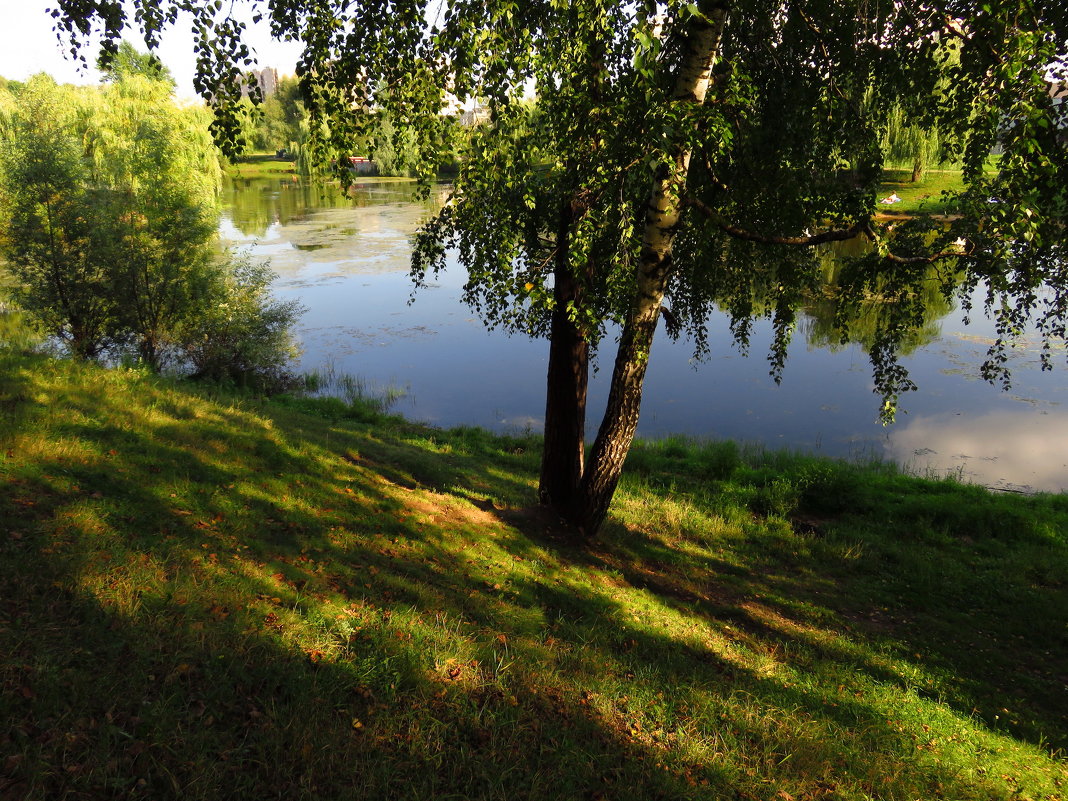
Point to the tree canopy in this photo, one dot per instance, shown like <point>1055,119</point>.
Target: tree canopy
<point>128,60</point>
<point>110,196</point>
<point>646,160</point>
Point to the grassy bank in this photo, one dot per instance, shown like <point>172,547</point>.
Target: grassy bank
<point>208,597</point>
<point>261,165</point>
<point>923,196</point>
<point>266,165</point>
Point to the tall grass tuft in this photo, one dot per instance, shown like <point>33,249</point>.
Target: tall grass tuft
<point>357,392</point>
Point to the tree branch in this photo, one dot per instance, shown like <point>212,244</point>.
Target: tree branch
<point>958,252</point>
<point>833,235</point>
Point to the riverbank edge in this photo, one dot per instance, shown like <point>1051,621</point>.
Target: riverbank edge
<point>259,166</point>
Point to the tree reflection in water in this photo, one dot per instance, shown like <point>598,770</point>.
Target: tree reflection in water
<point>347,260</point>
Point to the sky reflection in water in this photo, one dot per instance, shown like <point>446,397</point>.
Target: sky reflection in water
<point>347,261</point>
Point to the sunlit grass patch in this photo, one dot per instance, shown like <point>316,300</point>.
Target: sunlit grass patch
<point>261,165</point>
<point>926,196</point>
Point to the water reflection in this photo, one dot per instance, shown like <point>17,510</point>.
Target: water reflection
<point>255,206</point>
<point>1015,450</point>
<point>820,328</point>
<point>314,233</point>
<point>347,260</point>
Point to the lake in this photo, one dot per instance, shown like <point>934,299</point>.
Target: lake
<point>347,258</point>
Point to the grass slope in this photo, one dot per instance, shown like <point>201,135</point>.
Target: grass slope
<point>204,597</point>
<point>267,165</point>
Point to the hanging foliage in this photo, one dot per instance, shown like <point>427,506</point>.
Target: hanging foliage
<point>670,156</point>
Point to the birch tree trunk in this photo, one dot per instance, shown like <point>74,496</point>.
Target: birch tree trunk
<point>703,39</point>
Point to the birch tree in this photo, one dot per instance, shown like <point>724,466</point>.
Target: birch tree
<point>646,160</point>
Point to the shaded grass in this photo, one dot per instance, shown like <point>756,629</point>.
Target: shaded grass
<point>205,596</point>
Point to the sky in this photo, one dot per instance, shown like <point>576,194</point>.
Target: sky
<point>28,46</point>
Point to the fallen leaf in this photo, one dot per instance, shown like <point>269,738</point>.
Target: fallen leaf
<point>184,669</point>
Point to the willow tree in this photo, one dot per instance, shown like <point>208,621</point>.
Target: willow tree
<point>109,199</point>
<point>907,142</point>
<point>162,172</point>
<point>58,237</point>
<point>644,160</point>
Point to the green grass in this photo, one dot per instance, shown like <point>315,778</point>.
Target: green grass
<point>260,165</point>
<point>211,597</point>
<point>265,165</point>
<point>923,197</point>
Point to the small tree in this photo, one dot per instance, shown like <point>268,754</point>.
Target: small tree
<point>157,161</point>
<point>110,200</point>
<point>911,143</point>
<point>59,240</point>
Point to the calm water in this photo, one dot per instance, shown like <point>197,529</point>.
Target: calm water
<point>347,260</point>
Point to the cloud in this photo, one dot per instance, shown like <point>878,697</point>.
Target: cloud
<point>1003,450</point>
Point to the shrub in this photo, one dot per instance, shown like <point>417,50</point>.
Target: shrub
<point>243,334</point>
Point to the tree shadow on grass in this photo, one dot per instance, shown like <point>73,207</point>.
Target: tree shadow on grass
<point>205,603</point>
<point>216,712</point>
<point>175,701</point>
<point>130,671</point>
<point>14,400</point>
<point>938,617</point>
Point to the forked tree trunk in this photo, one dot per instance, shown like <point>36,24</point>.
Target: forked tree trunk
<point>567,380</point>
<point>605,464</point>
